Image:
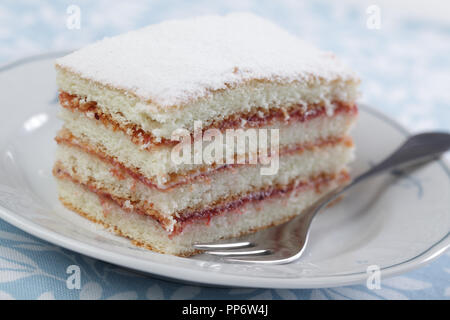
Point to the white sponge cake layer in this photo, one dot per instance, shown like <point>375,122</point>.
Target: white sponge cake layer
<point>128,109</point>
<point>156,164</point>
<point>146,231</point>
<point>90,170</point>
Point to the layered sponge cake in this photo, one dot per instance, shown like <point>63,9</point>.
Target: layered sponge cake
<point>145,147</point>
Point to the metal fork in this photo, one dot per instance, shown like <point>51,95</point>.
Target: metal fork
<point>286,242</point>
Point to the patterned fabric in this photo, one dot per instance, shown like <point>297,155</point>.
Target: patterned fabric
<point>405,65</point>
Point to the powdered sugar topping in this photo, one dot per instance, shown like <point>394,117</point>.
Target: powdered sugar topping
<point>176,61</point>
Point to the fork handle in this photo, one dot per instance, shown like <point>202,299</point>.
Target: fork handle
<point>417,149</point>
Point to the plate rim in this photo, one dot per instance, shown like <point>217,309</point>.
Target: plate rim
<point>183,274</point>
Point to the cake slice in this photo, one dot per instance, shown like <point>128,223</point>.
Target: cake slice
<point>125,100</point>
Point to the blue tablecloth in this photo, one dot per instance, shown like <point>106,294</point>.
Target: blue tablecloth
<point>404,62</point>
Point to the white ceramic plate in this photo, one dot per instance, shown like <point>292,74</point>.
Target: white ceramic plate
<point>397,222</point>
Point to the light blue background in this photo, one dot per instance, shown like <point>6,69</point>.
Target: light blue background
<point>405,67</point>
